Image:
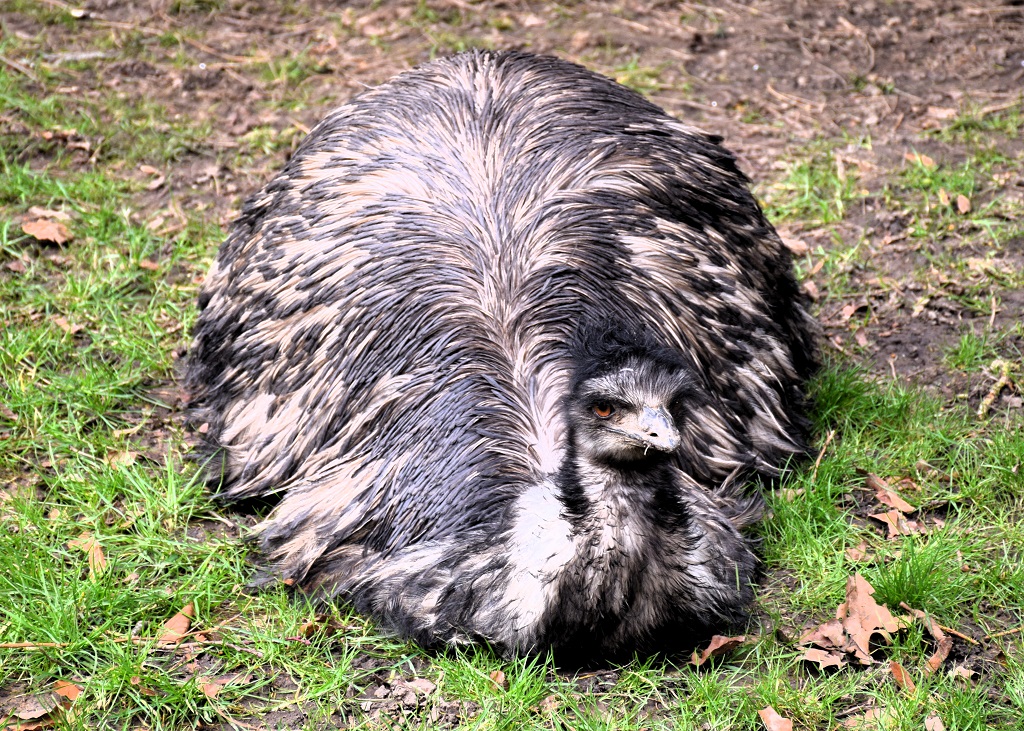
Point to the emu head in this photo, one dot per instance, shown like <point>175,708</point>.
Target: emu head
<point>627,400</point>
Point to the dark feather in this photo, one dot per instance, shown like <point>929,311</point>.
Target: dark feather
<point>392,336</point>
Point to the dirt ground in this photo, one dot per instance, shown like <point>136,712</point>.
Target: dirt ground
<point>772,77</point>
<point>862,81</point>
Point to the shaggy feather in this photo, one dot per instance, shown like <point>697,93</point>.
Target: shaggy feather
<point>394,336</point>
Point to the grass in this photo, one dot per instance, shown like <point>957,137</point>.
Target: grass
<point>90,453</point>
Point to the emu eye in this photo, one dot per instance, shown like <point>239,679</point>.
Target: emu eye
<point>602,409</point>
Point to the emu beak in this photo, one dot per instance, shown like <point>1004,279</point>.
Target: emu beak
<point>655,429</point>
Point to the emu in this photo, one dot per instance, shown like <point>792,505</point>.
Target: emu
<point>514,349</point>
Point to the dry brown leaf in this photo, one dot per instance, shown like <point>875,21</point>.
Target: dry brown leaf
<point>917,157</point>
<point>120,460</point>
<point>97,561</point>
<point>960,671</point>
<point>795,245</point>
<point>874,719</point>
<point>940,655</point>
<point>943,642</point>
<point>941,112</point>
<point>864,618</point>
<point>887,496</point>
<point>934,723</point>
<point>550,704</point>
<point>177,626</point>
<point>828,635</point>
<point>137,682</point>
<point>499,679</point>
<point>907,485</point>
<point>790,494</point>
<point>773,721</point>
<point>422,686</point>
<point>43,230</point>
<point>719,645</point>
<point>898,525</point>
<point>17,266</point>
<point>902,677</point>
<point>148,265</point>
<point>943,197</point>
<point>848,311</point>
<point>67,689</point>
<point>66,326</point>
<point>40,212</point>
<point>858,552</point>
<point>812,290</point>
<point>34,707</point>
<point>211,688</point>
<point>963,203</point>
<point>861,337</point>
<point>823,658</point>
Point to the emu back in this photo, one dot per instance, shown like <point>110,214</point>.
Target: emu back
<point>510,343</point>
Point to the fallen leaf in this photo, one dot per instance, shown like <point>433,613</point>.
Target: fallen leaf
<point>812,290</point>
<point>828,635</point>
<point>211,688</point>
<point>795,245</point>
<point>960,671</point>
<point>864,618</point>
<point>17,266</point>
<point>876,718</point>
<point>848,311</point>
<point>919,158</point>
<point>943,197</point>
<point>898,525</point>
<point>66,326</point>
<point>40,212</point>
<point>790,494</point>
<point>148,265</point>
<point>902,677</point>
<point>549,704</point>
<point>943,642</point>
<point>858,552</point>
<point>67,689</point>
<point>823,658</point>
<point>719,645</point>
<point>36,706</point>
<point>963,204</point>
<point>934,723</point>
<point>177,626</point>
<point>861,337</point>
<point>120,460</point>
<point>940,655</point>
<point>137,682</point>
<point>97,561</point>
<point>498,678</point>
<point>43,230</point>
<point>887,496</point>
<point>422,686</point>
<point>773,721</point>
<point>941,112</point>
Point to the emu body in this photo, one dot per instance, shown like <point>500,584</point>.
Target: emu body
<point>509,342</point>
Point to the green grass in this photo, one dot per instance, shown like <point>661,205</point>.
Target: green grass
<point>816,188</point>
<point>88,351</point>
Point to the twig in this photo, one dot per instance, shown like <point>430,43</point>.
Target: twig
<point>20,67</point>
<point>821,454</point>
<point>1005,632</point>
<point>31,645</point>
<point>961,635</point>
<point>999,385</point>
<point>806,104</point>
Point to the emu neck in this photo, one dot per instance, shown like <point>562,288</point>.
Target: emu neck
<point>616,514</point>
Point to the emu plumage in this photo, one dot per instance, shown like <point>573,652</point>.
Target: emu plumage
<point>413,333</point>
